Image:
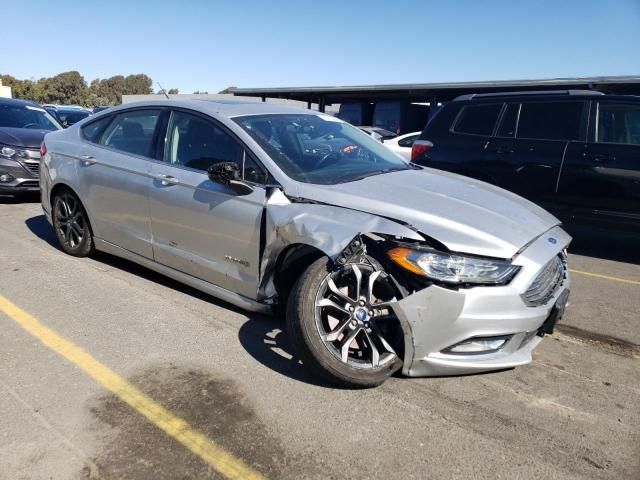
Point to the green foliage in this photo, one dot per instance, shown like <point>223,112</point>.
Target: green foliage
<point>173,91</point>
<point>198,92</point>
<point>70,88</point>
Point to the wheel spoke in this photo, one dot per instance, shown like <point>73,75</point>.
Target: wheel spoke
<point>76,229</point>
<point>375,355</point>
<point>71,205</point>
<point>67,236</point>
<point>325,302</point>
<point>372,279</point>
<point>335,334</point>
<point>358,274</point>
<point>384,343</point>
<point>336,291</point>
<point>344,349</point>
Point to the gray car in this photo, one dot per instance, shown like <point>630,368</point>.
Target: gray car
<point>380,265</point>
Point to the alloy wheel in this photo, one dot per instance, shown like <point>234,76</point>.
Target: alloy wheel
<point>354,317</point>
<point>69,220</point>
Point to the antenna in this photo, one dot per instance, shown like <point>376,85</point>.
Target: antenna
<point>163,90</point>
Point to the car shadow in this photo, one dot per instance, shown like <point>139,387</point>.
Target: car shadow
<point>265,339</point>
<point>262,336</point>
<point>607,244</point>
<point>41,228</point>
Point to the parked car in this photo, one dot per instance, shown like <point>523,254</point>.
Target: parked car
<point>380,265</point>
<point>51,110</point>
<point>23,125</point>
<point>575,153</point>
<point>70,115</point>
<point>402,144</point>
<point>379,134</point>
<point>400,117</point>
<point>100,108</point>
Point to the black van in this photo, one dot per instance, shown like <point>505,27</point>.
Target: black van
<point>576,153</point>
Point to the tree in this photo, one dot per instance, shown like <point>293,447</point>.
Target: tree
<point>66,88</point>
<point>198,92</point>
<point>139,84</point>
<point>173,91</point>
<point>71,88</point>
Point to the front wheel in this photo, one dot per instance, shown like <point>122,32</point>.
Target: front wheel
<point>341,324</point>
<point>71,225</point>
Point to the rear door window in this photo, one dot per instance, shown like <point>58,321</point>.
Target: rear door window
<point>618,123</point>
<point>132,132</point>
<point>478,119</point>
<point>92,131</point>
<point>550,120</point>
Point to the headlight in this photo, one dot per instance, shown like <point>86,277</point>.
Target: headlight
<point>7,151</point>
<point>453,268</point>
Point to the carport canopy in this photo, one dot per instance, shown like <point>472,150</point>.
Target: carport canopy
<point>438,92</point>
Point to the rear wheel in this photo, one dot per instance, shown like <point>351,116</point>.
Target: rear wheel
<point>71,225</point>
<point>341,323</point>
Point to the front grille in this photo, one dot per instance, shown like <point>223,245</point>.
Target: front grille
<point>33,167</point>
<point>546,283</point>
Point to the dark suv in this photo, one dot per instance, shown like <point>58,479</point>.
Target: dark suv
<point>23,126</point>
<point>576,153</point>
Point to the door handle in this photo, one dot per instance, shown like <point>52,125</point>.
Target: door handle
<point>503,150</point>
<point>167,180</point>
<point>600,157</point>
<point>88,160</point>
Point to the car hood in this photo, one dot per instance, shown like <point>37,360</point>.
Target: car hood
<point>22,137</point>
<point>464,214</point>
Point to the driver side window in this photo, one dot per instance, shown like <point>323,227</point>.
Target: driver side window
<point>196,143</point>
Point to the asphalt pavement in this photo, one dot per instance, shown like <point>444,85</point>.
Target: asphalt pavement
<point>228,376</point>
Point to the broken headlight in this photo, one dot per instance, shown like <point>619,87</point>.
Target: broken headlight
<point>452,268</point>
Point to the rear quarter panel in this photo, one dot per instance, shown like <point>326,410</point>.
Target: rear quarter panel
<point>59,165</point>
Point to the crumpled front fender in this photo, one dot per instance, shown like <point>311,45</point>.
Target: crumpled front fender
<point>325,227</point>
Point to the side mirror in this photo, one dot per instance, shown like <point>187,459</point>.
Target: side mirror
<point>228,173</point>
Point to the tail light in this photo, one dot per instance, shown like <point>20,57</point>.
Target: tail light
<point>43,150</point>
<point>419,148</point>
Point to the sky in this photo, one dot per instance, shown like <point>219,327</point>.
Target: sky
<point>209,45</point>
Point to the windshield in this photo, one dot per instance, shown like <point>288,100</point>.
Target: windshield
<point>26,116</point>
<point>319,148</point>
<point>69,117</point>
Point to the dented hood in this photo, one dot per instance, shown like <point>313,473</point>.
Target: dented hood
<point>464,214</point>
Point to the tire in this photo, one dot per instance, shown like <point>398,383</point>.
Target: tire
<point>71,224</point>
<point>307,317</point>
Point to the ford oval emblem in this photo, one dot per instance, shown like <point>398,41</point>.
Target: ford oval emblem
<point>552,240</point>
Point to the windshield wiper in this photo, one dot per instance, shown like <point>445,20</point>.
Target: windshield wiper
<point>371,174</point>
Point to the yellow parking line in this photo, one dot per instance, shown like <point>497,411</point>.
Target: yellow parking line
<point>606,277</point>
<point>221,460</point>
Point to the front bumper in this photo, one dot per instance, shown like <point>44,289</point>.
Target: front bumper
<point>24,176</point>
<point>437,318</point>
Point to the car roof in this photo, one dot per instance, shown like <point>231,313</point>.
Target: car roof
<point>16,102</point>
<point>72,110</point>
<point>226,108</point>
<point>559,95</point>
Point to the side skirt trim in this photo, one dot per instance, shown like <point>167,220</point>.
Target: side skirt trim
<point>206,287</point>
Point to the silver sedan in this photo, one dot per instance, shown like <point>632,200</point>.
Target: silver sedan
<point>380,265</point>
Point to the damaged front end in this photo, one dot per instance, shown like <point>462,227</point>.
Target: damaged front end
<point>346,237</point>
<point>467,321</point>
